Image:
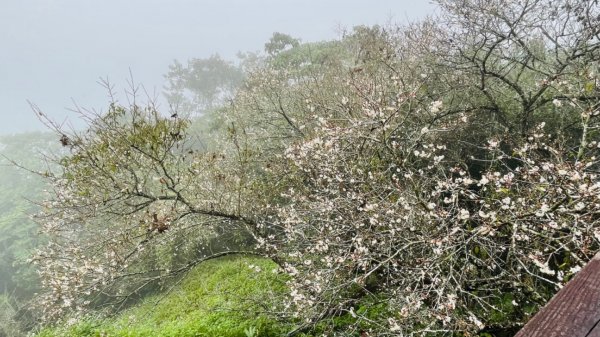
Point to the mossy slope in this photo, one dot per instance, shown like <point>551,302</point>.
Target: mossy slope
<point>223,297</point>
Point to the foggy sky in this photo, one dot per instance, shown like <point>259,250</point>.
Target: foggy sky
<point>52,52</point>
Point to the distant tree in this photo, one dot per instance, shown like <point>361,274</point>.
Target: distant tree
<point>202,84</point>
<point>280,42</point>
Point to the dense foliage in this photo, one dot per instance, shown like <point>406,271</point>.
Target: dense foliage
<point>439,179</point>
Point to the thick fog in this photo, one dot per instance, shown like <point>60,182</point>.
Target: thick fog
<point>54,51</point>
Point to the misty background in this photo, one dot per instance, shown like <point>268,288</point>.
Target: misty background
<point>54,51</point>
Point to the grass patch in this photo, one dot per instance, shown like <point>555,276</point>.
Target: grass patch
<point>219,298</point>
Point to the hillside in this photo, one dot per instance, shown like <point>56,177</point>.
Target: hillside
<point>222,297</point>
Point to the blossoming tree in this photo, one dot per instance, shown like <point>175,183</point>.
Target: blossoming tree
<point>437,179</point>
